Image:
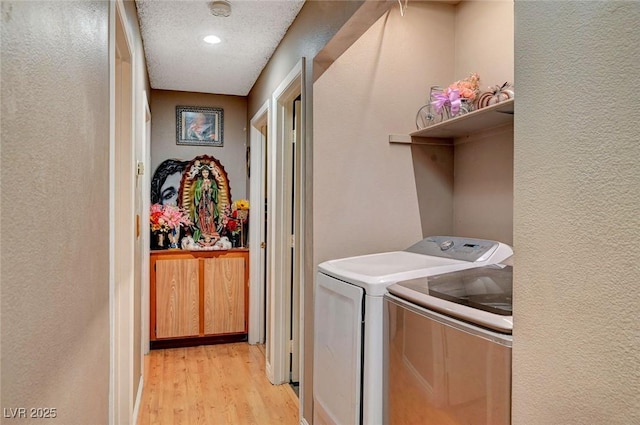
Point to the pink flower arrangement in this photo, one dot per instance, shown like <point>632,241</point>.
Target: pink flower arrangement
<point>166,217</point>
<point>468,88</point>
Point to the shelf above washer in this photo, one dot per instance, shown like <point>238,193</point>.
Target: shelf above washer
<point>473,122</point>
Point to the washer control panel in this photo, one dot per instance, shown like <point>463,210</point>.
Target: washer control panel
<point>456,248</point>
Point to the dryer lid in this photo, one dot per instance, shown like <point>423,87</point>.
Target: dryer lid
<point>488,288</point>
<point>481,295</point>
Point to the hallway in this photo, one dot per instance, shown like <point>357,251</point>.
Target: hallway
<point>213,384</point>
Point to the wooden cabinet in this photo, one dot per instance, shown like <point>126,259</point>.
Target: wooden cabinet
<point>198,297</point>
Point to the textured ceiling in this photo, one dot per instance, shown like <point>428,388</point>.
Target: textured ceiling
<point>178,59</point>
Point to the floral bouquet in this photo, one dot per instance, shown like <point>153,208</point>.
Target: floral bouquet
<point>232,227</point>
<point>469,88</point>
<point>241,209</point>
<point>232,219</point>
<point>167,219</point>
<point>458,97</point>
<point>164,218</point>
<point>228,222</point>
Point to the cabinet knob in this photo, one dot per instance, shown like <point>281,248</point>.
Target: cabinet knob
<point>263,245</point>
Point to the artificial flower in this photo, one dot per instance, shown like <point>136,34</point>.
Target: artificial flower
<point>241,204</point>
<point>232,226</point>
<point>228,221</point>
<point>166,217</point>
<point>468,88</point>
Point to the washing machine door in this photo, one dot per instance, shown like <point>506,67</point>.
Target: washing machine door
<point>337,352</point>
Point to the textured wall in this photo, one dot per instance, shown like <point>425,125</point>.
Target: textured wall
<point>232,155</point>
<point>55,206</point>
<point>576,357</point>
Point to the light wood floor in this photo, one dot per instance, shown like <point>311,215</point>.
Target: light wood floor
<point>213,384</point>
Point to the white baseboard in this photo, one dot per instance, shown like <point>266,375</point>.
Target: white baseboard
<point>303,421</point>
<point>136,406</point>
<point>269,372</point>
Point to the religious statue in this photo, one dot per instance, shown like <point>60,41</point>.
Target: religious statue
<point>204,193</point>
<point>205,204</point>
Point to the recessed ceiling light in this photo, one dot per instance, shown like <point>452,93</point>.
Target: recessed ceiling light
<point>212,39</point>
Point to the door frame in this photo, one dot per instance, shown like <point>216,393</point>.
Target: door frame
<point>145,230</point>
<point>121,221</point>
<point>278,230</point>
<point>257,260</point>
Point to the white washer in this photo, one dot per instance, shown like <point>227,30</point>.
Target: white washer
<point>348,334</point>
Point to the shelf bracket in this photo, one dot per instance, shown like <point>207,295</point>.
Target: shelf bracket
<point>400,138</point>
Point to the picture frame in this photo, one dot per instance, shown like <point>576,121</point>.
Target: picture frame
<point>199,126</point>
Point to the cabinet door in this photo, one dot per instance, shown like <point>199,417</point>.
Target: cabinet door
<point>177,298</point>
<point>224,285</point>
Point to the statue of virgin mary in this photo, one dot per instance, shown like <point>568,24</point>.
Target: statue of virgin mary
<point>205,206</point>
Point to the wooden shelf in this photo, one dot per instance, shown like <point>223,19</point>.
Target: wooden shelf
<point>473,122</point>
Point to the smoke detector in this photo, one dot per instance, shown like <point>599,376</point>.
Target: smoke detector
<point>220,8</point>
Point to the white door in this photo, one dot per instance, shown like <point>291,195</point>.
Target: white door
<point>337,352</point>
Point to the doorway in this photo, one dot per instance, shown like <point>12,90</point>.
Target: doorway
<point>285,212</point>
<point>145,193</point>
<point>258,247</point>
<point>125,237</point>
<point>294,281</point>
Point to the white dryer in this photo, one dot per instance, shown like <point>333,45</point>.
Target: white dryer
<point>348,334</point>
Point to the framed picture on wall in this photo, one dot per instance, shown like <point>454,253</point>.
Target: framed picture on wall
<point>199,126</point>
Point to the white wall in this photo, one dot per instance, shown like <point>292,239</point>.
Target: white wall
<point>576,356</point>
<point>364,188</point>
<point>55,209</point>
<point>232,155</point>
